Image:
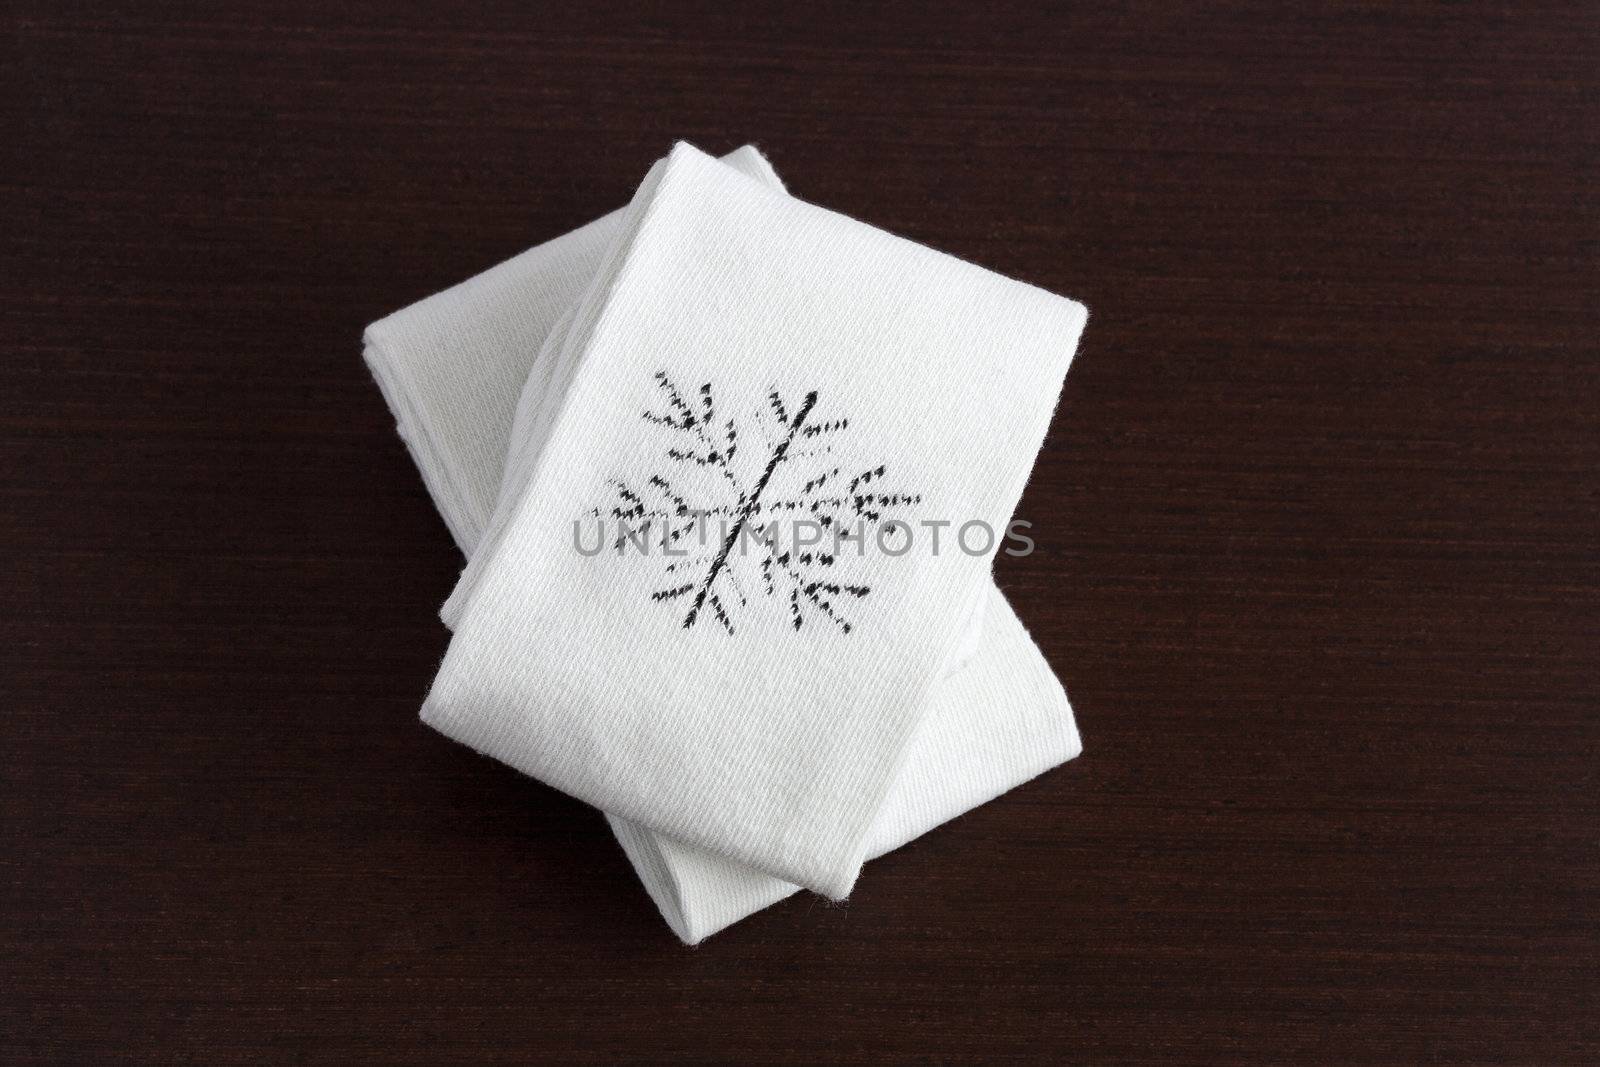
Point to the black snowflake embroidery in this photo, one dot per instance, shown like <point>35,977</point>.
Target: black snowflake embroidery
<point>790,476</point>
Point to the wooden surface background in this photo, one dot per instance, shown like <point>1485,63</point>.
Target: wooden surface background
<point>1317,520</point>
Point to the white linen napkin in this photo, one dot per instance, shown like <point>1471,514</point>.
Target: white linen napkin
<point>450,366</point>
<point>762,728</point>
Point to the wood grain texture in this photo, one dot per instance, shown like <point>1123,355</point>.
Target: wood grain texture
<point>1317,523</point>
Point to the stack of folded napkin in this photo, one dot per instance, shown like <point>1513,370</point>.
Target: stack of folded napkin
<point>729,471</point>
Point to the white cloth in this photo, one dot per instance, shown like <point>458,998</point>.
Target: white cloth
<point>451,366</point>
<point>729,314</point>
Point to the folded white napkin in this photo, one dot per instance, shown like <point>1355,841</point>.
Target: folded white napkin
<point>755,706</point>
<point>450,367</point>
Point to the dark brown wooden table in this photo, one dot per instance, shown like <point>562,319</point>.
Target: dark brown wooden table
<point>1318,527</point>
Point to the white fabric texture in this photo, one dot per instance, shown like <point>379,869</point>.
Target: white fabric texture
<point>450,367</point>
<point>771,740</point>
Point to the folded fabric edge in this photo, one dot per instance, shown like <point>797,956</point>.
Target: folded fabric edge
<point>749,158</point>
<point>708,893</point>
<point>404,401</point>
<point>639,846</point>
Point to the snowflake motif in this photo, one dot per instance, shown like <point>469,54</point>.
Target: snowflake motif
<point>705,578</point>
